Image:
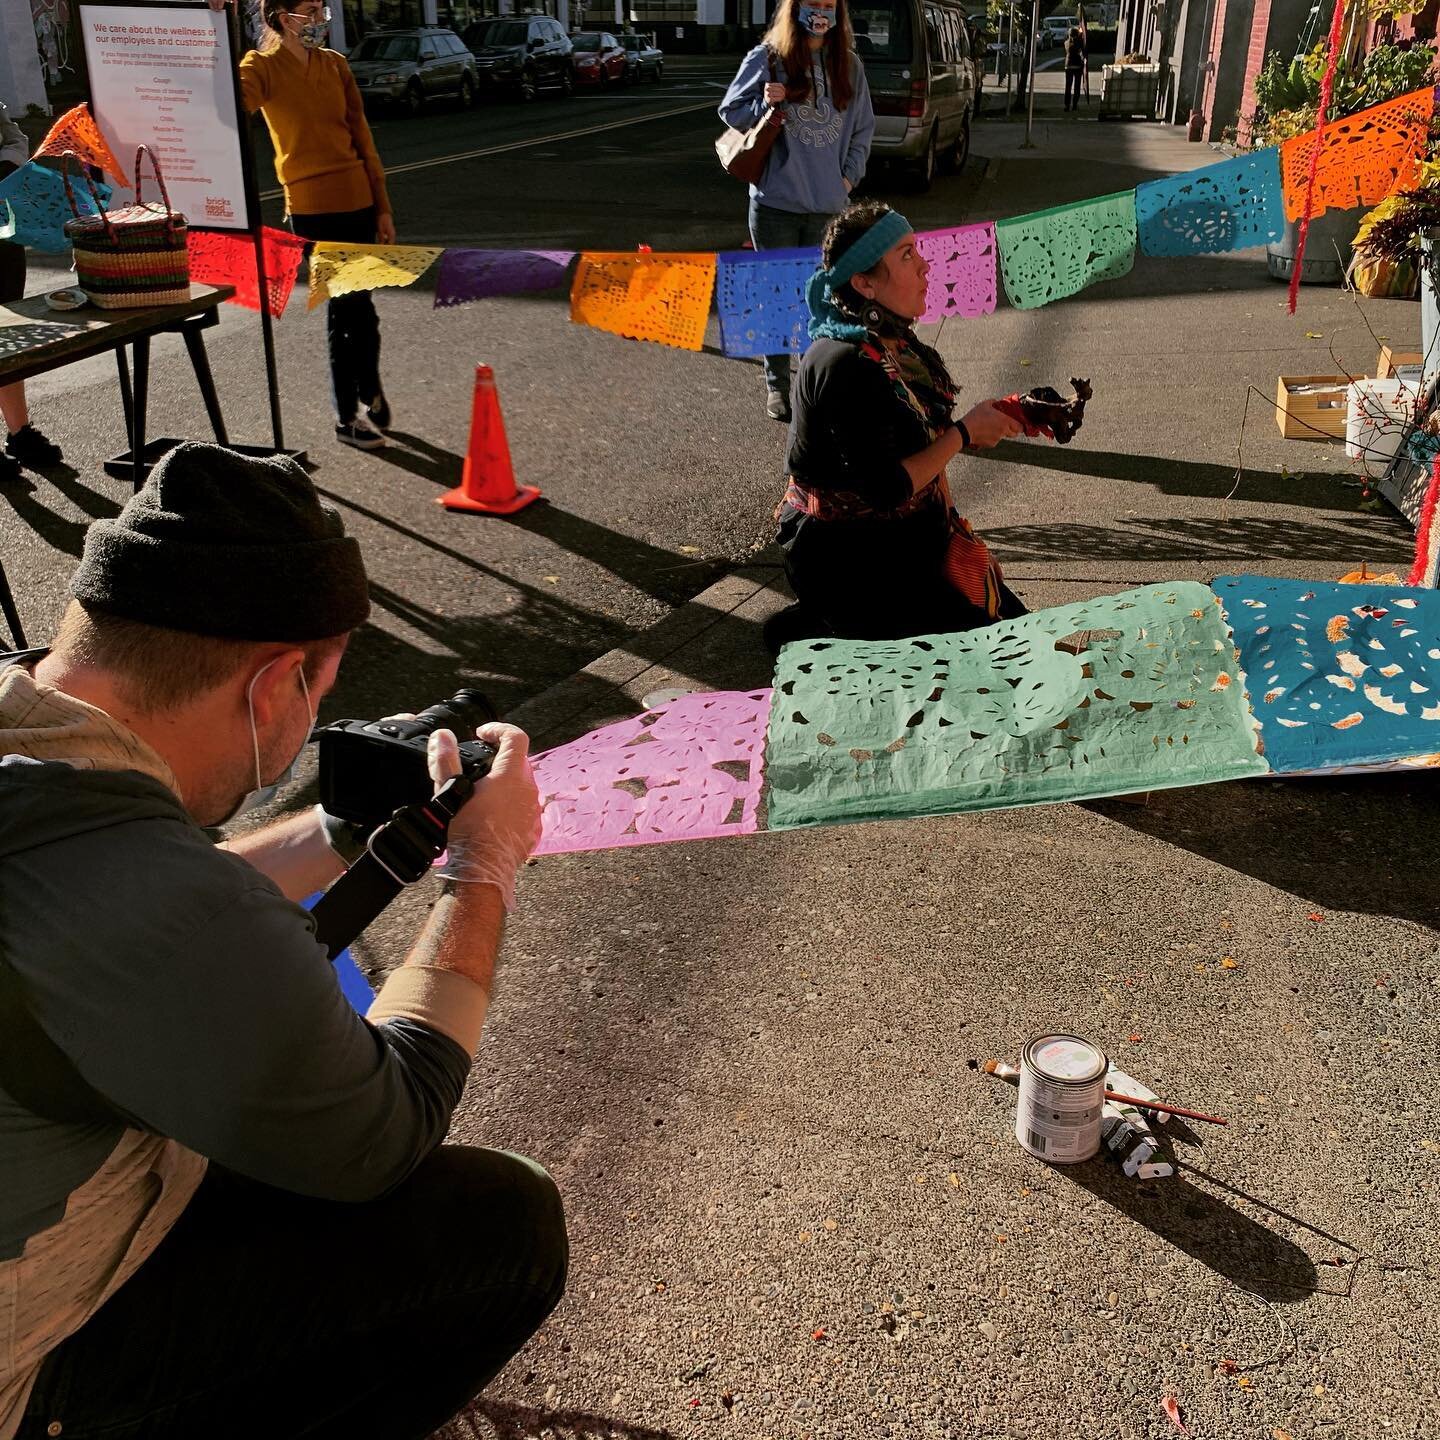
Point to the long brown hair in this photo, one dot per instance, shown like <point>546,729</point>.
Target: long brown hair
<point>788,39</point>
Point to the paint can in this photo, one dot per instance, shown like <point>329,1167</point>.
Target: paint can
<point>1062,1092</point>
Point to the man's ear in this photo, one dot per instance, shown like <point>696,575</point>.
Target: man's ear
<point>274,683</point>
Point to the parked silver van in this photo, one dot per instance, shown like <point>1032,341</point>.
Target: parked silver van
<point>922,81</point>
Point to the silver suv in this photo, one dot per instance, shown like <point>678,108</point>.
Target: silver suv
<point>922,81</point>
<point>413,67</point>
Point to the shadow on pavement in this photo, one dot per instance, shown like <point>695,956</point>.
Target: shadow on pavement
<point>1219,1236</point>
<point>384,673</point>
<point>495,1420</point>
<point>1358,843</point>
<point>1320,490</point>
<point>1222,544</point>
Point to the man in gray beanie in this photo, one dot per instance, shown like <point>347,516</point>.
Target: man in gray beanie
<point>231,1212</point>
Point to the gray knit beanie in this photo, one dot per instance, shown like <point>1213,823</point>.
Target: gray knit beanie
<point>217,543</point>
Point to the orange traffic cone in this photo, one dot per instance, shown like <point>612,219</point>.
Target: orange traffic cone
<point>487,483</point>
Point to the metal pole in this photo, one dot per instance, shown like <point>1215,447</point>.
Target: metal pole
<point>1030,83</point>
<point>252,205</point>
<point>1009,53</point>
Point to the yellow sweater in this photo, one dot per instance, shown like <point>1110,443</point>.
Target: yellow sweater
<point>324,155</point>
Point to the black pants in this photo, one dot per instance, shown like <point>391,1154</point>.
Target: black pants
<point>878,580</point>
<point>1072,88</point>
<point>268,1314</point>
<point>352,326</point>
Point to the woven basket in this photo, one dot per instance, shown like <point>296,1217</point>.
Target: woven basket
<point>129,258</point>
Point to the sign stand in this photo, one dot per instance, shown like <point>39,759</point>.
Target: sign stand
<point>257,234</point>
<point>108,65</point>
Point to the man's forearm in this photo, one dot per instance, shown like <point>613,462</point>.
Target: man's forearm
<point>295,853</point>
<point>463,933</point>
<point>447,977</point>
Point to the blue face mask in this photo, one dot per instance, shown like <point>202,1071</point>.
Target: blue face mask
<point>816,20</point>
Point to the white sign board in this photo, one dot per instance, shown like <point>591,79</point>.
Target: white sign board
<point>163,78</point>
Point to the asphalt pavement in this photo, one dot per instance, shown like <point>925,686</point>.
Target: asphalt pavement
<point>794,1210</point>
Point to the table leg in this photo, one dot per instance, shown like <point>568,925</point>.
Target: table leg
<point>11,614</point>
<point>137,415</point>
<point>200,363</point>
<point>125,400</point>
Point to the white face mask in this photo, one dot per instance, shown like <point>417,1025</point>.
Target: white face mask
<point>263,794</point>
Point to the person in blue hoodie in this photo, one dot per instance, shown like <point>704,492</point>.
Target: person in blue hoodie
<point>806,63</point>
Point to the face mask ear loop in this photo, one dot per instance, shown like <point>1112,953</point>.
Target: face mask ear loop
<point>250,709</point>
<point>309,708</point>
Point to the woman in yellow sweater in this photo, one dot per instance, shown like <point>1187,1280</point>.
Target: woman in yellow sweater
<point>334,189</point>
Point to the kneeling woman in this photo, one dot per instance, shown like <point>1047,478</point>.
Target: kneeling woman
<point>873,546</point>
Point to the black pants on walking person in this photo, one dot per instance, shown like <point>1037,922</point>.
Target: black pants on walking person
<point>352,326</point>
<point>1072,88</point>
<point>274,1315</point>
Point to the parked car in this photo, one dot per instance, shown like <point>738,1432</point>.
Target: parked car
<point>643,58</point>
<point>414,67</point>
<point>1055,28</point>
<point>598,58</point>
<point>922,81</point>
<point>524,56</point>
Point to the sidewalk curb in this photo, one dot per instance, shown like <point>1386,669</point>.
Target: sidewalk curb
<point>611,686</point>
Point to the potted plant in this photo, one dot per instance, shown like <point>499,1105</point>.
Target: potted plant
<point>1287,104</point>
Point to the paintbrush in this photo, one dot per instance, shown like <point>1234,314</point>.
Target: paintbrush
<point>1006,1071</point>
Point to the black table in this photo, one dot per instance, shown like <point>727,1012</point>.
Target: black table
<point>35,339</point>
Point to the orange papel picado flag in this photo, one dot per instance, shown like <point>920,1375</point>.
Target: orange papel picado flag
<point>77,131</point>
<point>659,297</point>
<point>1363,157</point>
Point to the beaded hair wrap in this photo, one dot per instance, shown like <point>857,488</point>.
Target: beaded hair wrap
<point>827,320</point>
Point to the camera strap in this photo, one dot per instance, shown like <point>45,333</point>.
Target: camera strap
<point>398,854</point>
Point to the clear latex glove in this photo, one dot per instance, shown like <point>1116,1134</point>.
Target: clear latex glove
<point>499,825</point>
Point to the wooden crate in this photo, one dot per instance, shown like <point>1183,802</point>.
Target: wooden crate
<point>1390,360</point>
<point>1301,415</point>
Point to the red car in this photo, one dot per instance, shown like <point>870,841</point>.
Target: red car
<point>598,58</point>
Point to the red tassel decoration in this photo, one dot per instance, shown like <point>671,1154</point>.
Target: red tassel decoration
<point>1425,530</point>
<point>1327,85</point>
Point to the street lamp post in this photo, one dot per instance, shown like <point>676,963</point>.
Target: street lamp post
<point>1030,77</point>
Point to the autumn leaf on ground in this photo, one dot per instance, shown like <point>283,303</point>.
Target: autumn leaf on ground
<point>1278,1434</point>
<point>689,549</point>
<point>1314,335</point>
<point>1229,963</point>
<point>551,579</point>
<point>1171,1406</point>
<point>1027,362</point>
<point>1316,916</point>
<point>818,1334</point>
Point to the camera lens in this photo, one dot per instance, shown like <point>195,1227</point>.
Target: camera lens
<point>463,713</point>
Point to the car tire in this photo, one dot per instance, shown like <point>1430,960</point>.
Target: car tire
<point>467,93</point>
<point>414,99</point>
<point>923,170</point>
<point>959,152</point>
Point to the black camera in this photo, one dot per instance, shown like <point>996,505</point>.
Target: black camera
<point>370,768</point>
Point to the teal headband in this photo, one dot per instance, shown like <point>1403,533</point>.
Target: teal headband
<point>826,319</point>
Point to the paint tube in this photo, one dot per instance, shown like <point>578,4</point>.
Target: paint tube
<point>1127,1133</point>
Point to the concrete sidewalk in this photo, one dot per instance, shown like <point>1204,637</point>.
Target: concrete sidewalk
<point>794,1211</point>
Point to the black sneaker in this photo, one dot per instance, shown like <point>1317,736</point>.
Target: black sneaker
<point>31,449</point>
<point>361,435</point>
<point>378,412</point>
<point>9,470</point>
<point>777,405</point>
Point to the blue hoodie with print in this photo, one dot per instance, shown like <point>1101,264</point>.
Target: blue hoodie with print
<point>819,147</point>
